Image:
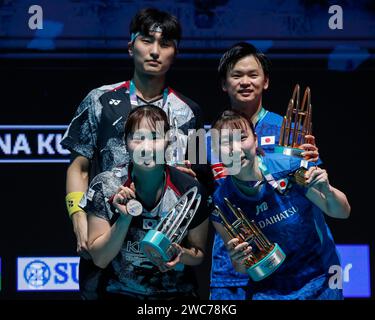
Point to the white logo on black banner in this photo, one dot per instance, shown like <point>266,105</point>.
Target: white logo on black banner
<point>115,102</point>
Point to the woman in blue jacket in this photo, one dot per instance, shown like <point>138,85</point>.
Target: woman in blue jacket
<point>288,213</point>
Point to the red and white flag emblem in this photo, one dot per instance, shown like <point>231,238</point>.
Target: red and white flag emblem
<point>218,171</point>
<point>283,183</point>
<point>267,140</point>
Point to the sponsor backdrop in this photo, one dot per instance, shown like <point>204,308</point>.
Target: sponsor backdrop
<point>61,273</point>
<point>46,70</point>
<point>46,273</point>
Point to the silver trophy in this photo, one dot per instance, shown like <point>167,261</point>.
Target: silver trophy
<point>157,245</point>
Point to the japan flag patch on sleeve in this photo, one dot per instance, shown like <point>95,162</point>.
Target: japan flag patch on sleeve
<point>283,184</point>
<point>264,141</point>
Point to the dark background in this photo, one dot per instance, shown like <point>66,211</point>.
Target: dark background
<point>45,87</point>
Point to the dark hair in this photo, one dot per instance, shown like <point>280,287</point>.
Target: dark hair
<point>145,18</point>
<point>239,51</point>
<point>235,119</point>
<point>151,113</point>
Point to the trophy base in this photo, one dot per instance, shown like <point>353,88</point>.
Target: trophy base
<point>267,265</point>
<point>288,151</point>
<point>155,247</point>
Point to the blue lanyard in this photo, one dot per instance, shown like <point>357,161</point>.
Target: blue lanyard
<point>262,113</point>
<point>267,175</point>
<point>134,99</point>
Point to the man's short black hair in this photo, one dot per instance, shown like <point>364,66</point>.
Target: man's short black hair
<point>239,51</point>
<point>146,18</point>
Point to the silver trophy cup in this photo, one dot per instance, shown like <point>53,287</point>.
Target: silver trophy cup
<point>157,245</point>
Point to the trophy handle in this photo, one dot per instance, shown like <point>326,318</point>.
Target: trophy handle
<point>165,224</point>
<point>296,123</point>
<point>156,245</point>
<point>192,213</point>
<point>171,230</point>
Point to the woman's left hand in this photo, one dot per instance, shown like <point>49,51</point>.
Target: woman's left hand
<point>176,259</point>
<point>318,178</point>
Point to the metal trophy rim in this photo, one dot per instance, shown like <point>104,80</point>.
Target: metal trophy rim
<point>264,267</point>
<point>155,236</point>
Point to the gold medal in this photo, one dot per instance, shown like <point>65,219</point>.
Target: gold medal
<point>299,176</point>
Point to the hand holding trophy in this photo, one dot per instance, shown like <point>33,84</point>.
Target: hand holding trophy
<point>265,256</point>
<point>158,244</point>
<point>296,126</point>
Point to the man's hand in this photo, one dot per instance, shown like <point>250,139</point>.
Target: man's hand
<point>187,169</point>
<point>311,152</point>
<point>79,220</point>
